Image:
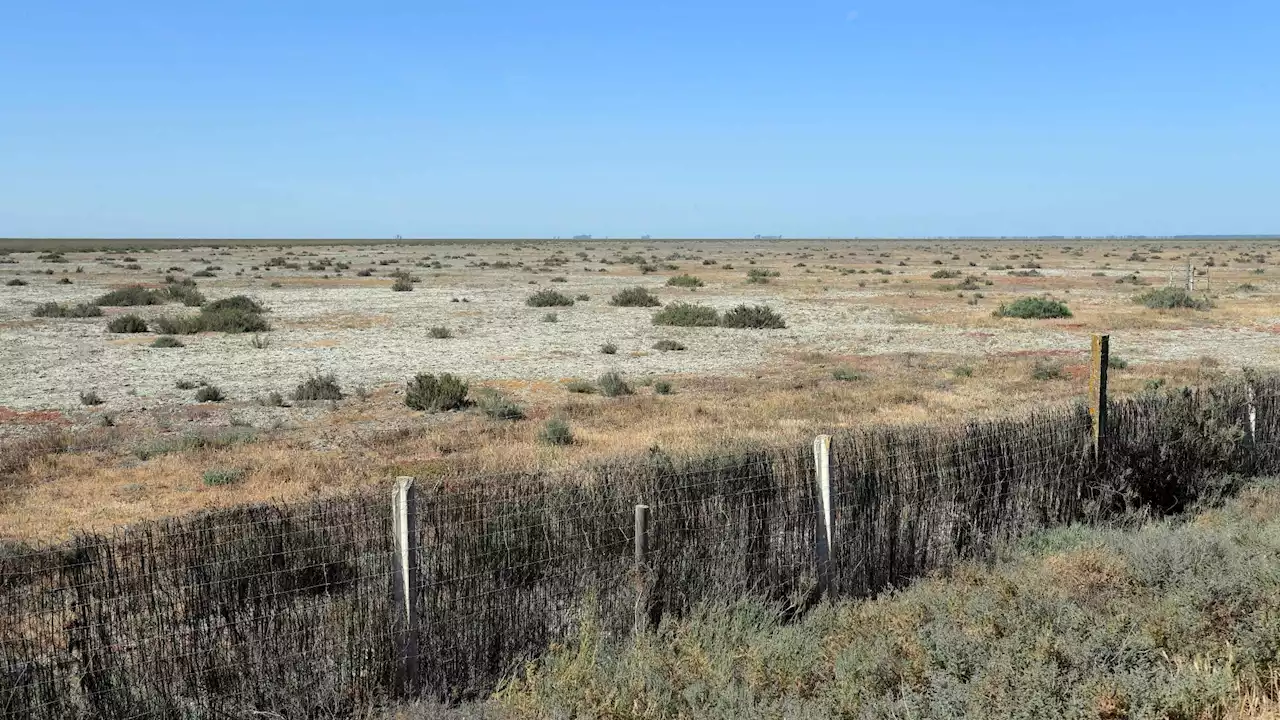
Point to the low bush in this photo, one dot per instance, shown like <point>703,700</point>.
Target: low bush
<point>846,375</point>
<point>55,310</point>
<point>241,303</point>
<point>440,332</point>
<point>964,371</point>
<point>402,284</point>
<point>1046,370</point>
<point>127,324</point>
<point>758,317</point>
<point>687,315</point>
<point>167,341</point>
<point>209,393</point>
<point>945,274</point>
<point>222,476</point>
<point>581,387</point>
<point>231,320</point>
<point>259,342</point>
<point>760,276</point>
<point>1172,298</point>
<point>187,384</point>
<point>431,393</point>
<point>609,349</point>
<point>186,293</point>
<point>131,296</point>
<point>91,397</point>
<point>612,385</point>
<point>668,346</point>
<point>555,432</point>
<point>662,387</point>
<point>548,298</point>
<point>1033,308</point>
<point>1115,362</point>
<point>550,317</point>
<point>497,406</point>
<point>634,297</point>
<point>16,282</point>
<point>685,281</point>
<point>318,387</point>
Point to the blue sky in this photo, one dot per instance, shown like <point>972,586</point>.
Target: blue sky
<point>481,119</point>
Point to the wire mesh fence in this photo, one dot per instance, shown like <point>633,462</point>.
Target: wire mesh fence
<point>289,610</point>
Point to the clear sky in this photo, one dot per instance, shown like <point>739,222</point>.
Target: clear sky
<point>437,118</point>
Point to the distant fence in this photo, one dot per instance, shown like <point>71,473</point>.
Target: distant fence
<point>337,605</point>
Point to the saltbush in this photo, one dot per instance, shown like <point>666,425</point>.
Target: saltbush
<point>759,317</point>
<point>1172,298</point>
<point>687,315</point>
<point>432,393</point>
<point>634,297</point>
<point>318,387</point>
<point>548,298</point>
<point>1033,308</point>
<point>127,324</point>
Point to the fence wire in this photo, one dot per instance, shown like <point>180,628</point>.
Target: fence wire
<point>287,610</point>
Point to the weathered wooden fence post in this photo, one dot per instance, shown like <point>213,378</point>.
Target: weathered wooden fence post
<point>822,474</point>
<point>642,537</point>
<point>1099,358</point>
<point>1253,411</point>
<point>404,585</point>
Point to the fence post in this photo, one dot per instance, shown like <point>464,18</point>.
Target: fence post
<point>642,536</point>
<point>1099,357</point>
<point>404,592</point>
<point>1253,411</point>
<point>822,474</point>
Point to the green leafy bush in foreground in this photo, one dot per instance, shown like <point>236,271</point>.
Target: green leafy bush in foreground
<point>1175,620</point>
<point>433,393</point>
<point>687,315</point>
<point>1034,308</point>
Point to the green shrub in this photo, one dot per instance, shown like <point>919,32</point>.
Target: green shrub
<point>634,297</point>
<point>685,281</point>
<point>550,317</point>
<point>131,296</point>
<point>241,303</point>
<point>582,297</point>
<point>759,317</point>
<point>1172,298</point>
<point>498,406</point>
<point>1033,308</point>
<point>54,310</point>
<point>945,274</point>
<point>230,320</point>
<point>209,393</point>
<point>662,387</point>
<point>1115,362</point>
<point>687,315</point>
<point>222,476</point>
<point>83,310</point>
<point>760,276</point>
<point>91,397</point>
<point>555,432</point>
<point>612,385</point>
<point>273,399</point>
<point>582,387</point>
<point>1046,370</point>
<point>402,284</point>
<point>185,293</point>
<point>127,324</point>
<point>16,282</point>
<point>609,349</point>
<point>548,298</point>
<point>318,387</point>
<point>440,332</point>
<point>49,310</point>
<point>187,384</point>
<point>435,394</point>
<point>964,371</point>
<point>175,325</point>
<point>259,342</point>
<point>846,375</point>
<point>668,346</point>
<point>167,341</point>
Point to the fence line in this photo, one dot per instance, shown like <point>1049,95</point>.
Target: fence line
<point>337,605</point>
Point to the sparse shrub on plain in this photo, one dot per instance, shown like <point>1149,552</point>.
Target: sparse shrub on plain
<point>55,310</point>
<point>242,303</point>
<point>273,399</point>
<point>431,393</point>
<point>555,432</point>
<point>187,384</point>
<point>685,281</point>
<point>609,349</point>
<point>209,393</point>
<point>846,375</point>
<point>758,317</point>
<point>90,397</point>
<point>1172,298</point>
<point>582,297</point>
<point>259,342</point>
<point>611,384</point>
<point>318,387</point>
<point>581,387</point>
<point>440,332</point>
<point>548,298</point>
<point>131,296</point>
<point>1115,362</point>
<point>1033,308</point>
<point>687,315</point>
<point>668,346</point>
<point>760,276</point>
<point>662,387</point>
<point>634,297</point>
<point>945,274</point>
<point>550,317</point>
<point>1047,370</point>
<point>48,310</point>
<point>402,284</point>
<point>497,406</point>
<point>127,324</point>
<point>222,476</point>
<point>963,371</point>
<point>16,282</point>
<point>231,320</point>
<point>167,341</point>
